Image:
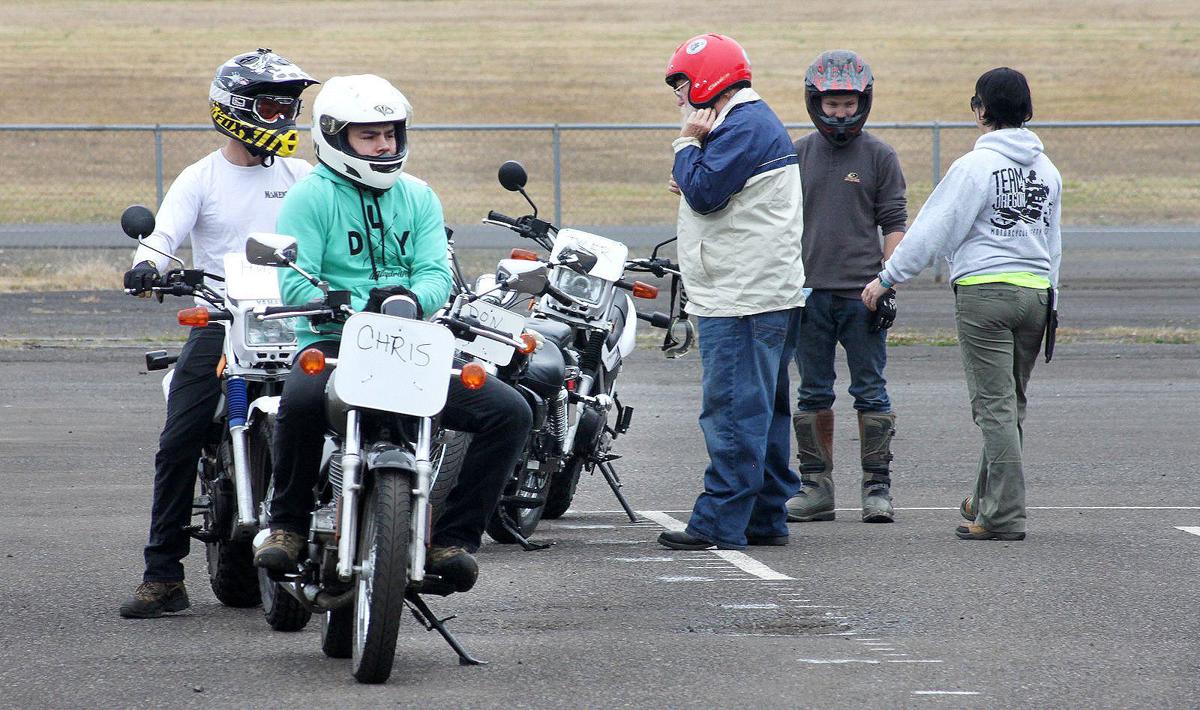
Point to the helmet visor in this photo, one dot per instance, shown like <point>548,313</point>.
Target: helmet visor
<point>276,109</point>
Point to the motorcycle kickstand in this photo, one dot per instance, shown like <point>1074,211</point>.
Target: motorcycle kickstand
<point>615,484</point>
<point>511,527</point>
<point>429,620</point>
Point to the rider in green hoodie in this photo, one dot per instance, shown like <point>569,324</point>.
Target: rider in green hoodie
<point>363,226</point>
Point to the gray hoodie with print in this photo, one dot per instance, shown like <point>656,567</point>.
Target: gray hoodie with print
<point>996,211</point>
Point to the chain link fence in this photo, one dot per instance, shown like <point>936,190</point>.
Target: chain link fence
<point>1114,173</point>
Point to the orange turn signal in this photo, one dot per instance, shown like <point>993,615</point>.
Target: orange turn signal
<point>644,290</point>
<point>529,341</point>
<point>197,316</point>
<point>311,362</point>
<point>523,254</point>
<point>473,375</point>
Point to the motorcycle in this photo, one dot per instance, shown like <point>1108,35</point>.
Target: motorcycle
<point>588,311</point>
<point>368,533</point>
<point>235,462</point>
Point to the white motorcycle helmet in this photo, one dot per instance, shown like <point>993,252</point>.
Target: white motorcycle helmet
<point>363,98</point>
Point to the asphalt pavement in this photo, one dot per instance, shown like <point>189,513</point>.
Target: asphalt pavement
<point>1096,608</point>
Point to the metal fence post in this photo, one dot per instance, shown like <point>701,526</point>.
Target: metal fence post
<point>936,153</point>
<point>556,144</point>
<point>158,162</point>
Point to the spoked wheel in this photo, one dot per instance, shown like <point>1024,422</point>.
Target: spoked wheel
<point>453,447</point>
<point>382,557</point>
<point>532,486</point>
<point>231,572</point>
<point>283,611</point>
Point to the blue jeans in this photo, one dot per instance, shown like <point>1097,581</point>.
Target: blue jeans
<point>827,321</point>
<point>746,420</point>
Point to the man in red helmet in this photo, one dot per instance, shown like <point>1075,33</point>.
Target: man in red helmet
<point>739,225</point>
<point>853,190</point>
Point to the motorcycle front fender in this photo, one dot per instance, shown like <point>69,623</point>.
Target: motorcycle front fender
<point>391,457</point>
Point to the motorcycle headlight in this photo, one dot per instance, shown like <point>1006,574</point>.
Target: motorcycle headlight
<point>581,286</point>
<point>270,332</point>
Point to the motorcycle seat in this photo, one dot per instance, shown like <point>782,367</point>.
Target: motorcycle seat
<point>557,333</point>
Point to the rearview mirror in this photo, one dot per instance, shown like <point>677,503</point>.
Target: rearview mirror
<point>512,176</point>
<point>137,221</point>
<point>577,259</point>
<point>267,249</point>
<point>523,276</point>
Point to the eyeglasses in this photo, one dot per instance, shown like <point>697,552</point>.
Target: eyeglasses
<point>976,104</point>
<point>680,88</point>
<point>270,109</point>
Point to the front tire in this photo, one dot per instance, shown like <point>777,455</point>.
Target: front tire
<point>231,571</point>
<point>563,484</point>
<point>383,556</point>
<point>532,484</point>
<point>337,632</point>
<point>282,611</point>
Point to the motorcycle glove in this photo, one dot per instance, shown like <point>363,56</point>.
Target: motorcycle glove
<point>380,294</point>
<point>141,278</point>
<point>885,312</point>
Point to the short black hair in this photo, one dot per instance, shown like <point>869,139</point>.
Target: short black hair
<point>1004,93</point>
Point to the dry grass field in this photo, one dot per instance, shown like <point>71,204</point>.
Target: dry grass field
<point>575,61</point>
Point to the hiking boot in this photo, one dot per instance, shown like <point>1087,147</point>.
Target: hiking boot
<point>875,431</point>
<point>455,566</point>
<point>280,552</point>
<point>814,449</point>
<point>152,599</point>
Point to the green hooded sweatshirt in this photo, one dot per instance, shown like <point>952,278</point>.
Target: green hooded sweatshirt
<point>358,240</point>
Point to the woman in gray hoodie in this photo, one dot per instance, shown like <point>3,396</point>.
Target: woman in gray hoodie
<point>994,217</point>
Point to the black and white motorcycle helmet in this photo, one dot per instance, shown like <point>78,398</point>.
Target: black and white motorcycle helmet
<point>362,98</point>
<point>255,99</point>
<point>840,71</point>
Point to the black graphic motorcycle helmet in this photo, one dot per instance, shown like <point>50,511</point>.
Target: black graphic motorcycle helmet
<point>255,99</point>
<point>840,71</point>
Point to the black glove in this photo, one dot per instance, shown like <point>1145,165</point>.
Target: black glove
<point>141,278</point>
<point>382,293</point>
<point>885,312</point>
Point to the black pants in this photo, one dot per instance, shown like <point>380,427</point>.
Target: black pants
<point>191,403</point>
<point>496,414</point>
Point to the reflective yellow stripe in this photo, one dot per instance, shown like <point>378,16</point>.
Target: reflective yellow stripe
<point>1016,278</point>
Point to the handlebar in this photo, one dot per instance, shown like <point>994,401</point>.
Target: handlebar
<point>658,319</point>
<point>495,216</point>
<point>462,326</point>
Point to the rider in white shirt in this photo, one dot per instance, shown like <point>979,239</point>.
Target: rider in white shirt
<point>254,101</point>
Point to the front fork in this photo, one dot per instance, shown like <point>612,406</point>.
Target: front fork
<point>237,408</point>
<point>352,468</point>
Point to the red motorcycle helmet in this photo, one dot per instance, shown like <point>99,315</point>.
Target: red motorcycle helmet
<point>711,63</point>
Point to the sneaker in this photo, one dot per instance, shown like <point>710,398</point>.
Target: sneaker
<point>152,599</point>
<point>280,552</point>
<point>456,568</point>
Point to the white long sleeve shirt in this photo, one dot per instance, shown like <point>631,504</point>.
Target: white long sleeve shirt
<point>215,204</point>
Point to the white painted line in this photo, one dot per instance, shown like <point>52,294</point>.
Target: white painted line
<point>1194,531</point>
<point>741,560</point>
<point>924,661</point>
<point>875,642</point>
<point>749,606</point>
<point>837,660</point>
<point>642,559</point>
<point>867,639</point>
<point>685,579</point>
<point>944,692</point>
<point>881,649</point>
<point>797,601</point>
<point>919,508</point>
<point>584,526</point>
<point>840,633</point>
<point>889,655</point>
